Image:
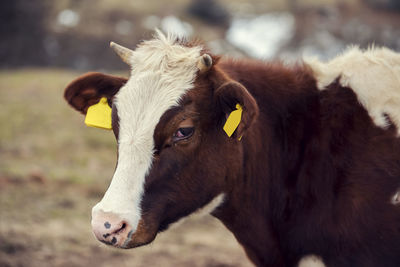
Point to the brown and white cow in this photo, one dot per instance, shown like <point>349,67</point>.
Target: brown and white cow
<point>312,169</point>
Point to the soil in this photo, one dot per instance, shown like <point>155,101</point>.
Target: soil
<point>45,222</point>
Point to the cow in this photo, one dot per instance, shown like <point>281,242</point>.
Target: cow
<point>309,173</point>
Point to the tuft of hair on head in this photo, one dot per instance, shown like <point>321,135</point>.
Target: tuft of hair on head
<point>169,37</point>
<point>158,34</point>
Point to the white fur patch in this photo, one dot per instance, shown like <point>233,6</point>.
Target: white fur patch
<point>311,261</point>
<point>204,211</point>
<point>212,205</point>
<point>396,198</point>
<point>162,72</point>
<point>374,75</point>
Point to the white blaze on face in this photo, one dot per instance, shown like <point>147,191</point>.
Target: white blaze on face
<point>162,72</point>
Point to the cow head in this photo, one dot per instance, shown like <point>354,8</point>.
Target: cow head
<point>173,156</point>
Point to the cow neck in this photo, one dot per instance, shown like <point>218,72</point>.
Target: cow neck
<point>270,156</point>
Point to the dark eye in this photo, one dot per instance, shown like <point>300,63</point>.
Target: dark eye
<point>183,133</point>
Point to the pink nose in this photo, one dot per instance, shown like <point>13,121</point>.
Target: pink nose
<point>110,229</point>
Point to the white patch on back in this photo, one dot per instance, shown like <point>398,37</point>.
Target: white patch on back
<point>162,72</point>
<point>374,75</point>
<point>311,261</point>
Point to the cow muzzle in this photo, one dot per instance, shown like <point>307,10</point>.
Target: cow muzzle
<point>112,230</point>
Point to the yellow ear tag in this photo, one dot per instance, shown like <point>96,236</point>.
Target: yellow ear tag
<point>99,115</point>
<point>233,120</point>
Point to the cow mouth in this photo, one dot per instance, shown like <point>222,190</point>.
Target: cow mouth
<point>143,235</point>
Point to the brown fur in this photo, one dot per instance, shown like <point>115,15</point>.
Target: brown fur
<point>311,175</point>
<point>87,89</point>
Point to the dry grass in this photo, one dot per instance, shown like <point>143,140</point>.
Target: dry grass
<point>41,134</point>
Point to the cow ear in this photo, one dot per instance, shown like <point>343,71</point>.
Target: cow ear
<point>229,95</point>
<point>89,88</point>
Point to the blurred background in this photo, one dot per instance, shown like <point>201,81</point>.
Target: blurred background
<point>53,169</point>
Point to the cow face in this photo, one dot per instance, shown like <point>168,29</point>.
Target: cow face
<point>173,156</point>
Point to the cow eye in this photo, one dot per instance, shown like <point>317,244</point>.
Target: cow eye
<point>183,133</point>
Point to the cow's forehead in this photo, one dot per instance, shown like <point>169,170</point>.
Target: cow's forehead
<point>163,70</point>
<point>167,54</point>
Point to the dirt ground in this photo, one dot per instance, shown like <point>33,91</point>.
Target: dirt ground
<point>47,223</point>
<point>53,169</point>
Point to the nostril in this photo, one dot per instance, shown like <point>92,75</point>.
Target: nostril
<point>123,226</point>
